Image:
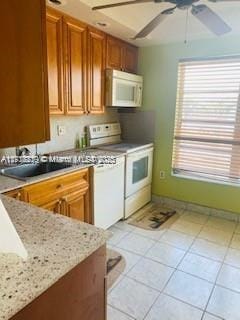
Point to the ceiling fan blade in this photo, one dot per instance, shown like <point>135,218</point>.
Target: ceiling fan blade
<point>210,19</point>
<point>154,23</point>
<point>120,4</point>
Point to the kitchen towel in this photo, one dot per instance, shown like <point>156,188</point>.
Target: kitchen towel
<point>10,241</point>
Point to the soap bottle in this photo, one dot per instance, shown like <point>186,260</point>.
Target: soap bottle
<point>77,143</point>
<point>84,140</point>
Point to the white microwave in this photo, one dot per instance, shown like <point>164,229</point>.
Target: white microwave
<point>123,89</point>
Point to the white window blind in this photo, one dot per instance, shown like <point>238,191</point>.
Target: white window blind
<point>207,124</point>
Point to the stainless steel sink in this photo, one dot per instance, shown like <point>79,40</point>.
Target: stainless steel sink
<point>25,171</point>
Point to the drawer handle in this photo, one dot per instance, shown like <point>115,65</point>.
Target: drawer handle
<point>59,186</point>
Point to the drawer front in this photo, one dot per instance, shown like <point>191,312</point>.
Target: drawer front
<point>51,189</point>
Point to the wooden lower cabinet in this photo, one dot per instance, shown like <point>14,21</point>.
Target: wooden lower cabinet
<point>68,195</point>
<point>54,206</point>
<point>79,295</point>
<point>16,194</point>
<point>75,205</point>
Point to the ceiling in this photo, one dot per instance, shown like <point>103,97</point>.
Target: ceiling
<point>126,21</point>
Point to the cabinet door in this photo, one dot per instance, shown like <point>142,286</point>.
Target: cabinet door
<point>114,53</point>
<point>78,295</point>
<point>55,62</point>
<point>96,71</point>
<point>23,73</point>
<point>74,35</point>
<point>76,205</point>
<point>16,194</point>
<point>130,58</point>
<point>54,206</point>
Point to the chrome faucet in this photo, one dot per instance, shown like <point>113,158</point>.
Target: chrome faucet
<point>22,152</point>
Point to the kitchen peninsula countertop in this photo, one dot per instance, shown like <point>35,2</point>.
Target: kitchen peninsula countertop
<point>55,245</point>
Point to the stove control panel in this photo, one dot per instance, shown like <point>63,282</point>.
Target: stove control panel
<point>103,130</point>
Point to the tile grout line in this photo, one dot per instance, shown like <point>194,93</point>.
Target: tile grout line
<point>128,315</point>
<point>162,291</point>
<point>174,246</point>
<point>176,268</point>
<point>215,283</point>
<point>127,233</point>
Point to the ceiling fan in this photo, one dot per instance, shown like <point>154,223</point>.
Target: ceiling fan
<point>202,12</point>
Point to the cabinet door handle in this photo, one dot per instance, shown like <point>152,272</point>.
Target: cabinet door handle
<point>59,206</point>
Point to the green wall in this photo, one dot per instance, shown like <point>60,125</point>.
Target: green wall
<point>158,65</point>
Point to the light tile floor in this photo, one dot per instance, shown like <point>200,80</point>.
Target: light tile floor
<point>188,271</point>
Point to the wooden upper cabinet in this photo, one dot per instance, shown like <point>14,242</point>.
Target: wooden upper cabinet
<point>115,53</point>
<point>78,55</point>
<point>121,55</point>
<point>130,58</point>
<point>55,62</point>
<point>75,37</point>
<point>96,70</point>
<point>23,73</point>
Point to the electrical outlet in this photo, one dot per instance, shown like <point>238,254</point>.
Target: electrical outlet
<point>61,130</point>
<point>162,175</point>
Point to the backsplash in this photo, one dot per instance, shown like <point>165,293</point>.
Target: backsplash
<point>74,126</point>
<point>138,125</point>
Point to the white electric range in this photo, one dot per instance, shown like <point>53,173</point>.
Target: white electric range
<point>138,168</point>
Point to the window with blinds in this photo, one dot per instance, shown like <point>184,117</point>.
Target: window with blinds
<point>207,124</point>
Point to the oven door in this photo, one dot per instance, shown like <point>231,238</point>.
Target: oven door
<point>138,170</point>
<point>126,93</point>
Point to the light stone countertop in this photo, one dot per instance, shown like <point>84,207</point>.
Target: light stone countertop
<point>8,184</point>
<point>55,244</point>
